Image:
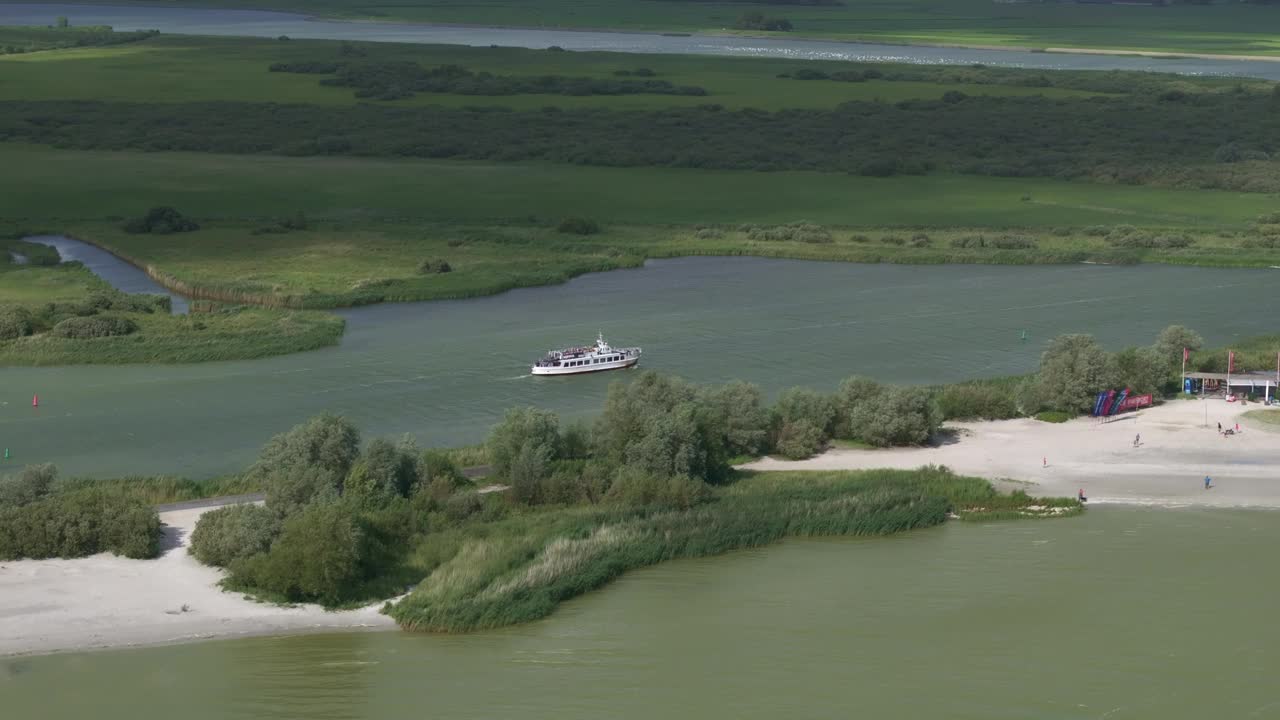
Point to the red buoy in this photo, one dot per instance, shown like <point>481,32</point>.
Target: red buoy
<point>35,400</point>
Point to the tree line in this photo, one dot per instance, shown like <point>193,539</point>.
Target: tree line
<point>1130,139</point>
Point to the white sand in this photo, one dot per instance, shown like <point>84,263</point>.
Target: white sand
<point>107,601</point>
<point>1169,467</point>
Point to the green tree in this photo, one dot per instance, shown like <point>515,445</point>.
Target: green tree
<point>853,392</point>
<point>1170,343</point>
<point>1142,370</point>
<point>320,555</point>
<point>1073,370</point>
<point>523,426</point>
<point>307,463</point>
<point>740,417</point>
<point>384,471</point>
<point>799,439</point>
<point>799,403</point>
<point>33,483</point>
<point>229,533</point>
<point>63,22</point>
<point>528,469</point>
<point>897,416</point>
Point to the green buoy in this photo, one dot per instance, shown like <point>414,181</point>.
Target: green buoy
<point>6,453</point>
<point>1024,335</point>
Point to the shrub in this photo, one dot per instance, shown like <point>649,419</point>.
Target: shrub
<point>28,486</point>
<point>1053,416</point>
<point>15,322</point>
<point>976,402</point>
<point>78,524</point>
<point>321,555</point>
<point>232,532</point>
<point>632,486</point>
<point>307,463</point>
<point>799,439</point>
<point>523,431</point>
<point>1013,242</point>
<point>98,326</point>
<point>796,404</point>
<point>383,472</point>
<point>859,238</point>
<point>161,221</point>
<point>893,240</point>
<point>427,267</point>
<point>897,416</point>
<point>578,226</point>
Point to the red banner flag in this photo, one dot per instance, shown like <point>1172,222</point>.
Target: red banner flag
<point>1231,362</point>
<point>1186,354</point>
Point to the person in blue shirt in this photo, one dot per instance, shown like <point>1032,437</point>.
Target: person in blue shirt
<point>1207,482</point>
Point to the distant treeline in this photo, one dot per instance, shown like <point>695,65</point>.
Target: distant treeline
<point>16,40</point>
<point>401,79</point>
<point>1209,140</point>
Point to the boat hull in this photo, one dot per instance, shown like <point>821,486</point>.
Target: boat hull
<point>583,370</point>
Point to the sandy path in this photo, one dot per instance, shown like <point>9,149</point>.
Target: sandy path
<point>108,601</point>
<point>1177,451</point>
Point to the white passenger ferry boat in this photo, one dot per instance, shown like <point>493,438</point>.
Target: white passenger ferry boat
<point>592,358</point>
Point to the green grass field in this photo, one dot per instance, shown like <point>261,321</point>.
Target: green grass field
<point>375,221</point>
<point>1229,27</point>
<point>67,186</point>
<point>172,69</point>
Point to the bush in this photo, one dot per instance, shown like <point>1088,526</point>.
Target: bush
<point>28,486</point>
<point>897,416</point>
<point>161,221</point>
<point>799,439</point>
<point>79,524</point>
<point>578,226</point>
<point>308,463</point>
<point>976,402</point>
<point>427,267</point>
<point>798,404</point>
<point>321,555</point>
<point>634,487</point>
<point>1053,416</point>
<point>98,326</point>
<point>523,432</point>
<point>383,472</point>
<point>232,532</point>
<point>15,322</point>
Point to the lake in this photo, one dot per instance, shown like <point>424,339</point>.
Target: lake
<point>1121,613</point>
<point>256,23</point>
<point>445,371</point>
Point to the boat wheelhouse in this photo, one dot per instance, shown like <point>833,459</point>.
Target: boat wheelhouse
<point>591,358</point>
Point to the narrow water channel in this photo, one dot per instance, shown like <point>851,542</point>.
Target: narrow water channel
<point>118,273</point>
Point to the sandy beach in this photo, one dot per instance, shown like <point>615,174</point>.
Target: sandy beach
<point>107,601</point>
<point>1168,468</point>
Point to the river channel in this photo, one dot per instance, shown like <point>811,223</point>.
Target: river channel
<point>256,23</point>
<point>1123,613</point>
<point>445,371</point>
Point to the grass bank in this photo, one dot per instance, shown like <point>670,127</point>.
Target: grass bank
<point>1226,28</point>
<point>491,574</point>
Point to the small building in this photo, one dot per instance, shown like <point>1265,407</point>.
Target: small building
<point>1241,383</point>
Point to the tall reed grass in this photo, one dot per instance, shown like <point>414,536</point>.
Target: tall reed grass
<point>519,569</point>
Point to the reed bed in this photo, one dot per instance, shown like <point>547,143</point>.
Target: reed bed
<point>520,568</point>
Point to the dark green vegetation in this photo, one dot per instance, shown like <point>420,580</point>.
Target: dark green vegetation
<point>42,518</point>
<point>1185,27</point>
<point>16,40</point>
<point>1155,130</point>
<point>649,482</point>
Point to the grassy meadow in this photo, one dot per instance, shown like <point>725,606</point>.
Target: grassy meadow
<point>1225,27</point>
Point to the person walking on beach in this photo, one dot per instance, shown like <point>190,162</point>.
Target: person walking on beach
<point>1219,428</point>
<point>1208,483</point>
<point>1137,440</point>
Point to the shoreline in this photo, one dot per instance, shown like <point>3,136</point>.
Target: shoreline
<point>1177,451</point>
<point>108,602</point>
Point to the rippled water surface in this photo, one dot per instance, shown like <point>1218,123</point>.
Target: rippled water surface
<point>445,371</point>
<point>1122,614</point>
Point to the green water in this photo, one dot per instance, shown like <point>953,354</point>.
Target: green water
<point>445,371</point>
<point>1122,613</point>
